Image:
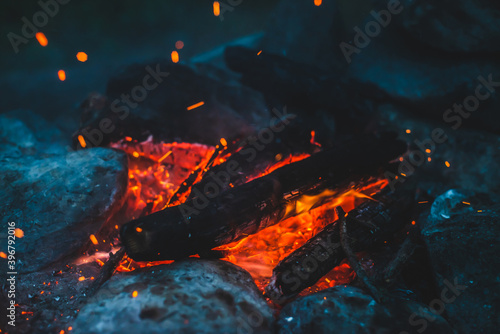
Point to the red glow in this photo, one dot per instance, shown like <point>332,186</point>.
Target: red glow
<point>161,168</point>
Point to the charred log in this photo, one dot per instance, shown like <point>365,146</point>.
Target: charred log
<point>222,217</point>
<point>370,224</point>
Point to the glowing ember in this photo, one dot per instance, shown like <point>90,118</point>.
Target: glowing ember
<point>179,45</point>
<point>82,56</point>
<point>157,173</point>
<point>216,8</point>
<point>62,75</point>
<point>261,252</point>
<point>313,139</point>
<point>159,169</point>
<point>82,142</point>
<point>93,239</point>
<point>40,37</point>
<point>175,56</point>
<point>18,233</point>
<point>318,2</point>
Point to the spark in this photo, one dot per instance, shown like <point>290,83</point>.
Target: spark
<point>82,141</point>
<point>223,142</point>
<point>82,56</point>
<point>216,8</point>
<point>258,53</point>
<point>466,203</point>
<point>62,75</point>
<point>196,105</point>
<point>447,164</point>
<point>41,39</point>
<point>318,2</point>
<point>82,278</point>
<point>3,255</point>
<point>18,233</point>
<point>408,131</point>
<point>138,229</point>
<point>93,239</point>
<point>135,154</point>
<point>134,294</point>
<point>175,56</point>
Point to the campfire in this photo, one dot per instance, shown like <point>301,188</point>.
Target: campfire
<point>250,168</point>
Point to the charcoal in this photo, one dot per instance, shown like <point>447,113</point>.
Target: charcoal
<point>190,296</point>
<point>384,216</point>
<point>462,236</point>
<point>57,200</point>
<point>347,309</point>
<point>203,223</point>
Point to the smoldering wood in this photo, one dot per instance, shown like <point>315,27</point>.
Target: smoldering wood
<point>204,223</point>
<point>345,241</point>
<point>370,224</point>
<point>254,160</point>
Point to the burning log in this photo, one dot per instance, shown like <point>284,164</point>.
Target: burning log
<point>370,224</point>
<point>203,223</point>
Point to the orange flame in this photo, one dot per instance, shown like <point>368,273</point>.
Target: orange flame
<point>163,167</point>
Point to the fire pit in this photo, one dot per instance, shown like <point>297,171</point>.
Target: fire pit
<point>310,177</point>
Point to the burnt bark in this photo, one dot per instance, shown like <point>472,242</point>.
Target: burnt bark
<point>222,217</point>
<point>370,224</point>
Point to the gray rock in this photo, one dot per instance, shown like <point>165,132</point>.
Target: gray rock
<point>462,234</point>
<point>57,200</point>
<point>191,296</point>
<point>463,26</point>
<point>347,309</point>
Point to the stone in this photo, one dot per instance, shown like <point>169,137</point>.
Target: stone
<point>57,200</point>
<point>348,309</point>
<point>190,296</point>
<point>462,236</point>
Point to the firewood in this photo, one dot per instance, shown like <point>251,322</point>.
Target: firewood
<point>370,224</point>
<point>222,217</point>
